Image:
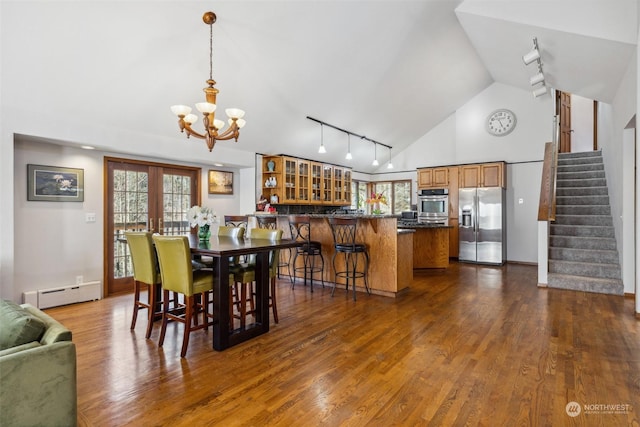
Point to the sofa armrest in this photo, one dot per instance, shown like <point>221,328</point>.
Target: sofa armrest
<point>39,386</point>
<point>55,330</point>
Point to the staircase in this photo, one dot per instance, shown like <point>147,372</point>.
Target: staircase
<point>582,244</point>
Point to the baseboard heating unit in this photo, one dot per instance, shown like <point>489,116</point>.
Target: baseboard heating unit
<point>53,297</point>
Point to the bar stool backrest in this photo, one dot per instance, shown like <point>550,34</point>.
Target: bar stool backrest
<point>269,222</point>
<point>231,231</point>
<point>344,232</point>
<point>300,226</point>
<point>235,221</point>
<point>174,255</point>
<point>143,257</point>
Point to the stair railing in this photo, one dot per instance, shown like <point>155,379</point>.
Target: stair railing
<point>547,203</point>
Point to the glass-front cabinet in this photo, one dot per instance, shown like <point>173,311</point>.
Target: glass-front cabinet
<point>290,168</point>
<point>303,181</point>
<point>290,180</point>
<point>316,183</point>
<point>327,184</point>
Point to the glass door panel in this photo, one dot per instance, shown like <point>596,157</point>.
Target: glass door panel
<point>143,197</point>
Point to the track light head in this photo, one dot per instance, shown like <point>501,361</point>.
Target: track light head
<point>538,78</point>
<point>542,90</point>
<point>534,55</point>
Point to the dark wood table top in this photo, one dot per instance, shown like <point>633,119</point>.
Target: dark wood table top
<point>218,246</point>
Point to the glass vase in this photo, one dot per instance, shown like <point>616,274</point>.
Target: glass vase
<point>204,232</point>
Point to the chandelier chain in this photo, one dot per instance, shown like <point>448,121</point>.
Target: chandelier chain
<point>210,51</point>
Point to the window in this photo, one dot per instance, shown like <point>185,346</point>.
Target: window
<point>398,194</point>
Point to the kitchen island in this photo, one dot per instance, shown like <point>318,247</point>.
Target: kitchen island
<point>430,244</point>
<point>390,251</point>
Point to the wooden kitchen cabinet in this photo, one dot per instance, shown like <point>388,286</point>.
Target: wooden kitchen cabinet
<point>493,174</point>
<point>454,238</point>
<point>433,177</point>
<point>300,181</point>
<point>483,175</point>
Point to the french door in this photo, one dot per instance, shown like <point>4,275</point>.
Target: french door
<point>143,196</point>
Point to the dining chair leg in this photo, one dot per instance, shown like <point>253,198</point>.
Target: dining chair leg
<point>151,310</point>
<point>274,306</point>
<point>136,307</point>
<point>188,316</point>
<point>165,312</point>
<point>243,305</point>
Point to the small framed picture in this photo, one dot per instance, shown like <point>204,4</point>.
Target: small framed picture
<point>220,182</point>
<point>54,184</point>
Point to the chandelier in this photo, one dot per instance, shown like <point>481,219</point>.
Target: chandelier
<point>212,126</point>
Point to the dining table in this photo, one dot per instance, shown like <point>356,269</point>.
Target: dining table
<point>221,249</point>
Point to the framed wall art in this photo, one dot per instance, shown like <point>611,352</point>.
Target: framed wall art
<point>220,182</point>
<point>54,184</point>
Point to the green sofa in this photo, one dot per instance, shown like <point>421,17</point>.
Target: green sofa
<point>37,369</point>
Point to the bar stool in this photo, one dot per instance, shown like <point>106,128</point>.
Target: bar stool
<point>300,226</point>
<point>344,242</point>
<point>145,273</point>
<point>271,223</point>
<point>177,275</point>
<point>236,221</point>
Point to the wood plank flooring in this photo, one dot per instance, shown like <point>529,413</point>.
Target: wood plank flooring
<point>470,345</point>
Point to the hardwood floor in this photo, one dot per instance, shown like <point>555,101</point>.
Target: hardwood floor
<point>472,345</point>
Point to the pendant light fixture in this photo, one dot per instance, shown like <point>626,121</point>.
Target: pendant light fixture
<point>375,155</point>
<point>348,156</point>
<point>389,165</point>
<point>212,126</point>
<point>322,150</point>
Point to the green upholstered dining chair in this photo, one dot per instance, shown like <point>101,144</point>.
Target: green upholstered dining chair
<point>174,256</point>
<point>145,273</point>
<point>245,275</point>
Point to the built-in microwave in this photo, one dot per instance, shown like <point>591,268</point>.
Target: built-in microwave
<point>433,205</point>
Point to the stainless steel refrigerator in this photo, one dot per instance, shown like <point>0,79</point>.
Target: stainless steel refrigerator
<point>482,222</point>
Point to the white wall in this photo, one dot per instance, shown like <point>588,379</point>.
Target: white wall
<point>612,120</point>
<point>55,243</point>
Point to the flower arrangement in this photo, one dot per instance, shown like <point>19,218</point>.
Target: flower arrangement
<point>376,200</point>
<point>201,216</point>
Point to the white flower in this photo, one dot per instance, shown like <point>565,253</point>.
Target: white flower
<point>199,216</point>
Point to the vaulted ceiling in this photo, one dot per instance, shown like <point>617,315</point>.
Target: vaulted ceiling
<point>389,70</point>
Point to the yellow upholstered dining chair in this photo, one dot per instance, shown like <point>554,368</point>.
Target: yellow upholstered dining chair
<point>246,275</point>
<point>145,273</point>
<point>177,275</point>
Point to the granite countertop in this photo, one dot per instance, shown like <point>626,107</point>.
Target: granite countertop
<point>314,215</point>
<point>422,225</point>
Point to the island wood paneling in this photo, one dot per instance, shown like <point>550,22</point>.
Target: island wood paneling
<point>381,237</point>
<point>431,247</point>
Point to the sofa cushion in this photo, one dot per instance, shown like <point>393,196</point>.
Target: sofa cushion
<point>17,326</point>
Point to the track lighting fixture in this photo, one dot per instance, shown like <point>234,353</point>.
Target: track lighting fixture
<point>348,156</point>
<point>375,155</point>
<point>542,90</point>
<point>322,150</point>
<point>538,78</point>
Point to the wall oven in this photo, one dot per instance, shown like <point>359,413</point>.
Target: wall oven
<point>433,206</point>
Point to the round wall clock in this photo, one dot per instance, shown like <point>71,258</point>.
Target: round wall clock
<point>501,122</point>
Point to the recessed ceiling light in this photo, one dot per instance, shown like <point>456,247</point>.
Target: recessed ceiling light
<point>218,164</point>
<point>87,147</point>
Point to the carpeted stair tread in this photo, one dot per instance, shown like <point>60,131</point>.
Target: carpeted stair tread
<point>586,284</point>
<point>583,253</point>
